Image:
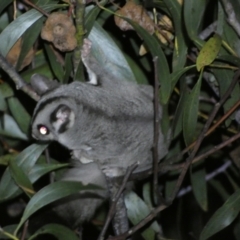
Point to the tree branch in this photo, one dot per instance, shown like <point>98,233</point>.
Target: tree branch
<point>17,79</point>
<point>115,198</point>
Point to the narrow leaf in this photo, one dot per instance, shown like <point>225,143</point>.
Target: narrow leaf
<point>59,231</point>
<point>25,160</point>
<point>21,178</point>
<point>108,54</point>
<point>3,104</point>
<point>177,124</point>
<point>177,74</point>
<point>68,67</point>
<point>223,217</point>
<point>180,46</point>
<point>10,128</point>
<point>199,185</point>
<point>4,160</point>
<point>39,170</point>
<point>162,64</point>
<point>138,210</point>
<point>19,113</point>
<point>17,28</point>
<point>209,52</point>
<point>193,14</point>
<point>92,13</point>
<point>190,114</point>
<point>50,194</point>
<point>4,4</point>
<point>5,90</point>
<point>29,38</point>
<point>54,63</point>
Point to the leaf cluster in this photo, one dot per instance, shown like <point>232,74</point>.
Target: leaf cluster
<point>194,70</point>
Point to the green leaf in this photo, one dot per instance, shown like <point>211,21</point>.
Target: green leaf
<point>39,170</point>
<point>177,124</point>
<point>43,69</point>
<point>20,178</point>
<point>221,19</point>
<point>223,217</point>
<point>108,55</point>
<point>162,66</point>
<point>4,160</point>
<point>190,114</point>
<point>193,15</point>
<point>9,128</point>
<point>54,63</point>
<point>147,194</point>
<point>3,104</point>
<point>5,90</point>
<point>138,210</point>
<point>28,40</point>
<point>68,67</point>
<point>50,194</point>
<point>25,160</point>
<point>209,52</point>
<point>4,3</point>
<point>177,74</point>
<point>180,46</point>
<point>199,185</point>
<point>7,232</point>
<point>224,78</point>
<point>17,28</point>
<point>230,59</point>
<point>170,183</point>
<point>92,13</point>
<point>59,231</point>
<point>19,113</point>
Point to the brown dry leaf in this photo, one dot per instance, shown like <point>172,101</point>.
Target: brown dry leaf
<point>163,33</point>
<point>13,55</point>
<point>59,30</point>
<point>136,13</point>
<point>180,2</point>
<point>164,30</point>
<point>143,50</point>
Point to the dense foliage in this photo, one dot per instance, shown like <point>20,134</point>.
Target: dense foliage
<point>195,48</point>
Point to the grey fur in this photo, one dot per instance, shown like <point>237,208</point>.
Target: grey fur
<point>113,127</point>
<point>107,127</point>
<point>81,207</point>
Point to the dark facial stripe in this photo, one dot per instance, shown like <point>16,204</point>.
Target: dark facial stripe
<point>64,127</point>
<point>43,104</point>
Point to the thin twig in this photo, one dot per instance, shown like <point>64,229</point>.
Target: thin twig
<point>36,7</point>
<point>216,148</point>
<point>19,82</point>
<point>208,177</point>
<point>141,224</point>
<point>173,167</point>
<point>25,228</point>
<point>210,130</point>
<point>203,155</point>
<point>202,135</point>
<point>115,199</point>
